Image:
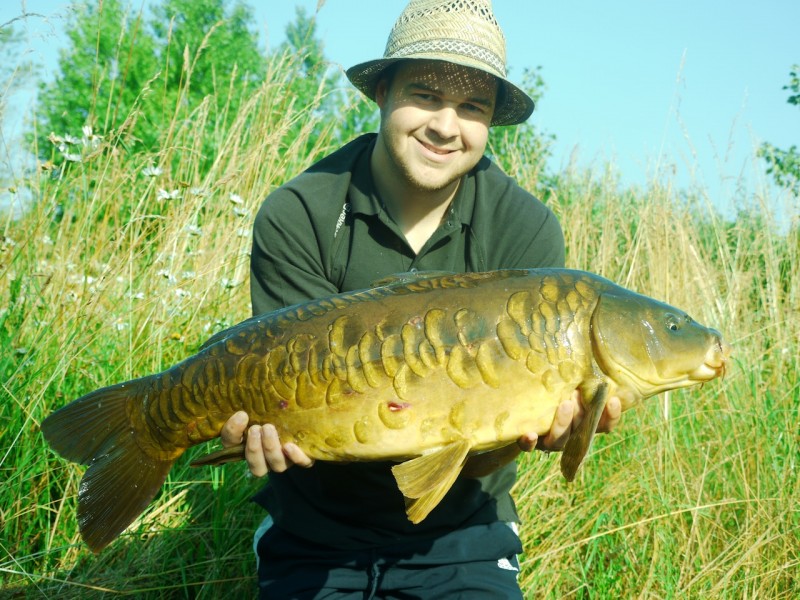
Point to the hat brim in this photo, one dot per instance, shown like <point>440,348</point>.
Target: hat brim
<point>514,105</point>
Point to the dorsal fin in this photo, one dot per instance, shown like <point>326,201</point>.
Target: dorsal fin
<point>408,277</point>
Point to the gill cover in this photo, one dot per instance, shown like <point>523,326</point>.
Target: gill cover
<point>647,345</point>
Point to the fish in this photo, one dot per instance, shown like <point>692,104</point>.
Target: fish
<point>438,373</point>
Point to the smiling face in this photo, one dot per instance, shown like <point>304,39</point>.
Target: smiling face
<point>435,120</point>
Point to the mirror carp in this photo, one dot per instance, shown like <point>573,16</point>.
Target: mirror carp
<point>427,370</point>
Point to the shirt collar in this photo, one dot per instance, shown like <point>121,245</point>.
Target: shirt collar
<point>364,197</point>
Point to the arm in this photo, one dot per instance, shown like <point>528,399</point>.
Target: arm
<point>286,267</point>
<point>525,218</point>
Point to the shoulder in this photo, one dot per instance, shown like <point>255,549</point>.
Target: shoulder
<point>334,169</point>
<point>516,228</point>
<point>320,191</point>
<point>501,202</point>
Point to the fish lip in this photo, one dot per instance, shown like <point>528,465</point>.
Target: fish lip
<point>710,369</point>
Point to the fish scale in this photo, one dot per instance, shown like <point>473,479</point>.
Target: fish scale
<point>437,372</point>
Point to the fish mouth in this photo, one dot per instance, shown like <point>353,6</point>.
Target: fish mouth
<point>715,362</point>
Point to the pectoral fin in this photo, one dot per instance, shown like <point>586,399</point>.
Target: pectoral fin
<point>579,440</point>
<point>220,457</point>
<point>425,480</point>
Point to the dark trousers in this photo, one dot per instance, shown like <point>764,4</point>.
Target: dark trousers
<point>479,562</point>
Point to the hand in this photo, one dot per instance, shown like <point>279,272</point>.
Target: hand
<point>263,451</point>
<point>568,415</point>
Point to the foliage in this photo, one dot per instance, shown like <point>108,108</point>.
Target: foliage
<point>130,80</point>
<point>508,144</point>
<point>347,113</point>
<point>784,165</point>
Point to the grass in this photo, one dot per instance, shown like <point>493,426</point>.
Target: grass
<point>694,495</point>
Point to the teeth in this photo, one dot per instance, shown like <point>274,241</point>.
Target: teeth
<point>435,149</point>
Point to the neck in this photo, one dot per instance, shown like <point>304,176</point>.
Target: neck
<point>418,212</point>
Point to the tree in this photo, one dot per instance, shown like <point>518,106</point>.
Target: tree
<point>129,79</point>
<point>106,67</point>
<point>784,165</point>
<point>207,49</point>
<point>509,145</point>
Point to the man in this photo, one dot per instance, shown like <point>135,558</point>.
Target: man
<point>419,195</point>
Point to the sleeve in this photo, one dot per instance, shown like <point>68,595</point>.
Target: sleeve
<point>286,262</point>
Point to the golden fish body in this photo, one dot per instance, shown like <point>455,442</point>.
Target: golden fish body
<point>428,371</point>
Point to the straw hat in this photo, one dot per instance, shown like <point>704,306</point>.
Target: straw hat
<point>463,32</point>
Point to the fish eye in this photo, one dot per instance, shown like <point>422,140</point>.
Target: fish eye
<point>673,324</point>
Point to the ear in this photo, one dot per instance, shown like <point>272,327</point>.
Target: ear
<point>381,91</point>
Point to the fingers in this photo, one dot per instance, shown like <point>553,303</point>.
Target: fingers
<point>569,415</point>
<point>264,453</point>
<point>232,433</point>
<point>611,415</point>
<point>528,441</point>
<point>296,456</point>
<point>555,440</point>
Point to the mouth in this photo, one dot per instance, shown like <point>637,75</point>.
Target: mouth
<point>435,150</point>
<point>715,362</point>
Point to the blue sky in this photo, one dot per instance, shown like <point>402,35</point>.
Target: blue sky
<point>683,90</point>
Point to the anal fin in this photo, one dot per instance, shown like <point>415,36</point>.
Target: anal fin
<point>425,480</point>
<point>579,440</point>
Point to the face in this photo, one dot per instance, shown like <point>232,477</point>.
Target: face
<point>435,120</point>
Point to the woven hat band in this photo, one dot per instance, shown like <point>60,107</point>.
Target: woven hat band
<point>491,61</point>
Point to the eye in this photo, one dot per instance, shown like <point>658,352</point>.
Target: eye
<point>673,323</point>
<point>473,108</point>
<point>424,98</point>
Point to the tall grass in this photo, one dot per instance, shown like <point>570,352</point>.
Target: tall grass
<point>128,262</point>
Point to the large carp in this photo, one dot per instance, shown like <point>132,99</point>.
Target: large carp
<point>426,371</point>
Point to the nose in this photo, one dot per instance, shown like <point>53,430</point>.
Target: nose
<point>444,122</point>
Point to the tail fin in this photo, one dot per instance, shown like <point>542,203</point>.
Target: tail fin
<point>121,479</point>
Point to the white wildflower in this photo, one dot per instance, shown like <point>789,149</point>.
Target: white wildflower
<point>72,157</point>
<point>181,293</point>
<point>236,199</point>
<point>71,139</point>
<point>193,230</point>
<point>171,195</point>
<point>167,275</point>
<point>243,232</point>
<point>151,171</point>
<point>240,212</point>
<point>188,275</point>
<point>199,192</point>
<point>89,138</point>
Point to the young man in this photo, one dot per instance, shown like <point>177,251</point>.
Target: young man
<point>419,195</point>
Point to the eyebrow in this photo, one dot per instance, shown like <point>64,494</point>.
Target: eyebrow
<point>483,101</point>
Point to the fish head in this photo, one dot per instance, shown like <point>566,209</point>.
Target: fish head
<point>648,347</point>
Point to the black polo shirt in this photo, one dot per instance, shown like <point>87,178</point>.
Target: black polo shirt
<point>327,231</point>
